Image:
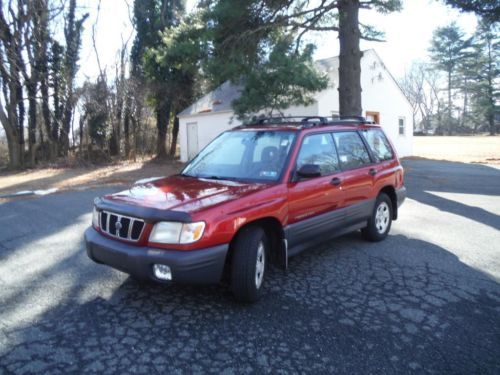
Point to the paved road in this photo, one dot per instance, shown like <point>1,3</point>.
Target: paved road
<point>425,300</point>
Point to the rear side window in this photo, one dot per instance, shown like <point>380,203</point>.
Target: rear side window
<point>379,145</point>
<point>352,150</point>
<point>318,149</point>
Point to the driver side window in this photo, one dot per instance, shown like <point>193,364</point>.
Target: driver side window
<point>319,149</point>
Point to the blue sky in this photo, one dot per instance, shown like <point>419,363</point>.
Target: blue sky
<point>408,33</point>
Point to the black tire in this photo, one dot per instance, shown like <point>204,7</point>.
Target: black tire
<point>373,231</point>
<point>244,264</point>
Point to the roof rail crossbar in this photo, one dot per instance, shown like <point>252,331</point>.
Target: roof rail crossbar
<point>320,119</point>
<point>352,119</point>
<point>309,121</point>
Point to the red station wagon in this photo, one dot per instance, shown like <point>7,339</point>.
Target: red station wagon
<point>257,194</point>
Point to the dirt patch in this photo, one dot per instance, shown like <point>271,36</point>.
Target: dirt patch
<point>466,149</point>
<point>72,178</point>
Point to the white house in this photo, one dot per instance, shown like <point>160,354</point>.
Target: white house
<point>382,100</point>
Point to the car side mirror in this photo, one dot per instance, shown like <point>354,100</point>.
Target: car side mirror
<point>309,171</point>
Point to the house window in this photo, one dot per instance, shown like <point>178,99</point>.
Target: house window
<point>402,126</point>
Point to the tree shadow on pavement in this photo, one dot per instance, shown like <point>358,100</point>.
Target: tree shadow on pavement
<point>428,176</point>
<point>347,306</point>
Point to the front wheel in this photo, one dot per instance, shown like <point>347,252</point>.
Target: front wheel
<point>249,264</point>
<point>380,222</point>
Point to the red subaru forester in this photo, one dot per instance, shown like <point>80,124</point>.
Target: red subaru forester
<point>257,194</point>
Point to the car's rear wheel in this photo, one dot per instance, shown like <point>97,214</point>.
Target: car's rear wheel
<point>380,221</point>
<point>249,264</point>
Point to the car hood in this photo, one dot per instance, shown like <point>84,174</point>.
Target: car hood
<point>185,194</point>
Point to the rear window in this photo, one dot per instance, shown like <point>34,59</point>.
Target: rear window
<point>352,151</point>
<point>379,145</point>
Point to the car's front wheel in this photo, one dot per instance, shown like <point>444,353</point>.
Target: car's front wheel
<point>249,264</point>
<point>380,222</point>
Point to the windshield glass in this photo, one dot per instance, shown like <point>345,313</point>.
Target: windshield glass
<point>243,155</point>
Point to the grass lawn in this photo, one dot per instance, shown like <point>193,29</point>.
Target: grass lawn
<point>467,149</point>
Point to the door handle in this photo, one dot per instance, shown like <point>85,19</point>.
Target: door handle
<point>335,181</point>
<point>372,171</point>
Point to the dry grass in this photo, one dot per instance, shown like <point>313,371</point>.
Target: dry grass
<point>71,178</point>
<point>471,149</point>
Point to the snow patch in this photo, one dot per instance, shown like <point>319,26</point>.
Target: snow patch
<point>45,192</point>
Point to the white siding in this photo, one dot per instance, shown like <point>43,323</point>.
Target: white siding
<point>210,125</point>
<point>381,94</point>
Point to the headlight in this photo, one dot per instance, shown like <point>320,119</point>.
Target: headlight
<point>95,218</point>
<point>176,233</point>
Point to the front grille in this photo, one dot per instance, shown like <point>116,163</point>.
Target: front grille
<point>119,226</point>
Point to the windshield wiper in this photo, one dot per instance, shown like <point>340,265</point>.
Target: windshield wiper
<point>214,178</point>
<point>217,178</point>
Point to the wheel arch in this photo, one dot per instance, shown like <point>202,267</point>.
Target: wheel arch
<point>274,232</point>
<point>390,191</point>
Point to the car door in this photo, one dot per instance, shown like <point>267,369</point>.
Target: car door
<point>313,201</point>
<point>357,176</point>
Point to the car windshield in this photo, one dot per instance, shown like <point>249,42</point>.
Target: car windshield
<point>243,155</point>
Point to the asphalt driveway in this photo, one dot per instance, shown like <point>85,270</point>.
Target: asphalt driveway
<point>425,300</point>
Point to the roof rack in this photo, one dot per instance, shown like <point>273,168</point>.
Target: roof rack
<point>301,120</point>
<point>309,121</point>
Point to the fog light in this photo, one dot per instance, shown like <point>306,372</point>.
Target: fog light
<point>162,272</point>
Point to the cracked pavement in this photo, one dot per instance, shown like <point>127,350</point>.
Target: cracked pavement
<point>425,300</point>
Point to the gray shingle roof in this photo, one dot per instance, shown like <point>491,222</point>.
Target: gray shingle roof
<point>218,100</point>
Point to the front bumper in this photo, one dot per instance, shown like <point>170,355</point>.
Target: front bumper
<point>203,266</point>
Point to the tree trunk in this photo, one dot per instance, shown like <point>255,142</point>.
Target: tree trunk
<point>349,59</point>
<point>50,126</point>
<point>449,104</point>
<point>80,126</point>
<point>21,113</point>
<point>162,119</point>
<point>491,95</point>
<point>14,149</point>
<point>32,102</point>
<point>68,114</point>
<point>126,128</point>
<point>466,103</point>
<point>175,133</point>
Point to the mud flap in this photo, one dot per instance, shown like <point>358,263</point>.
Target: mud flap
<point>282,258</point>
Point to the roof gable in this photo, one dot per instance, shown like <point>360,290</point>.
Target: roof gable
<point>220,99</point>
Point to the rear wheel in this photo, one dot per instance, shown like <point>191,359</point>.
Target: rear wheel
<point>380,222</point>
<point>249,264</point>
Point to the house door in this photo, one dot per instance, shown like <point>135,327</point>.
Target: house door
<point>373,116</point>
<point>192,139</point>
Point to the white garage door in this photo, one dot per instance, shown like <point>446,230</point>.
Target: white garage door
<point>192,139</point>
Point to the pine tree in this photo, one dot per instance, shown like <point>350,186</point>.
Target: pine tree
<point>177,57</point>
<point>448,47</point>
<point>151,18</point>
<point>244,34</point>
<point>485,71</point>
<point>489,10</point>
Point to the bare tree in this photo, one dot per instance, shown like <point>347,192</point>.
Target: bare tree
<point>12,112</point>
<point>420,85</point>
<point>72,33</point>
